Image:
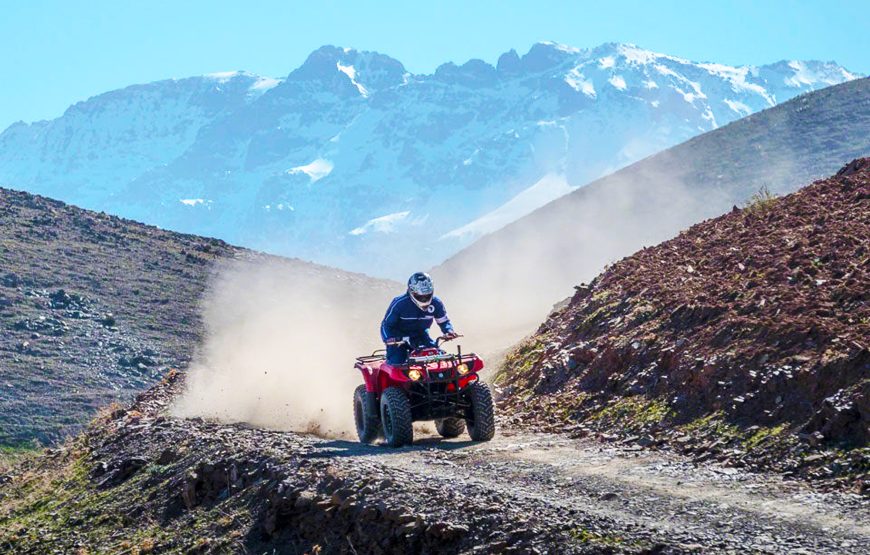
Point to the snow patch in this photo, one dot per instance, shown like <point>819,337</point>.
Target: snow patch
<point>280,207</point>
<point>687,96</point>
<point>263,84</point>
<point>316,170</point>
<point>606,62</point>
<point>562,47</point>
<point>618,82</point>
<point>738,107</point>
<point>468,161</point>
<point>350,71</point>
<point>223,76</point>
<point>579,83</point>
<point>650,84</point>
<point>805,76</point>
<point>736,77</point>
<point>382,224</point>
<point>635,55</point>
<point>193,201</point>
<point>708,115</point>
<point>548,188</point>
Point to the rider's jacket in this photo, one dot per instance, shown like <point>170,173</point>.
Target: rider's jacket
<point>405,319</point>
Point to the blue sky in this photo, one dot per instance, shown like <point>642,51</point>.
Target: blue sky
<point>55,53</point>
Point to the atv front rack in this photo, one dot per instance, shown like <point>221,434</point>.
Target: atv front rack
<point>412,361</point>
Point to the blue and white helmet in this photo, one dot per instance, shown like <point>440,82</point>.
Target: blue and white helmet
<point>421,289</point>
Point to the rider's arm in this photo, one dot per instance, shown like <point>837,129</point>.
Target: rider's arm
<point>441,317</point>
<point>389,326</point>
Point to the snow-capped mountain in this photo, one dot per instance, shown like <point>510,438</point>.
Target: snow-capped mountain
<point>352,161</point>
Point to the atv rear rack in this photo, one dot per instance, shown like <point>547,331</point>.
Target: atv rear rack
<point>378,355</point>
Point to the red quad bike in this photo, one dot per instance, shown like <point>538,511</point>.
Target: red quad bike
<point>431,385</point>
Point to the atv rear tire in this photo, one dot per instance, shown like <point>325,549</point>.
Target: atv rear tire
<point>481,418</point>
<point>365,415</point>
<point>450,427</point>
<point>396,417</point>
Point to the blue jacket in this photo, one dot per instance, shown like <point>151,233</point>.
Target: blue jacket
<point>405,319</point>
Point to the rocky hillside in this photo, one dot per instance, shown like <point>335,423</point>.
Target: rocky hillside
<point>141,482</point>
<point>572,239</point>
<point>95,308</point>
<point>352,161</point>
<point>745,338</point>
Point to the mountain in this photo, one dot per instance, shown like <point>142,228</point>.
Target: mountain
<point>352,161</point>
<point>510,279</point>
<point>745,337</point>
<point>95,308</point>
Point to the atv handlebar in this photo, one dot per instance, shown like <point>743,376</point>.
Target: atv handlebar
<point>445,338</point>
<point>395,342</point>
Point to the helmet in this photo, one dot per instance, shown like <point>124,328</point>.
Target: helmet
<point>421,289</point>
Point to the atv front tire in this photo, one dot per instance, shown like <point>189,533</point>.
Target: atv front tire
<point>365,415</point>
<point>396,417</point>
<point>450,427</point>
<point>481,418</point>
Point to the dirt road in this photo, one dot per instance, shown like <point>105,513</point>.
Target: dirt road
<point>632,495</point>
<point>250,490</point>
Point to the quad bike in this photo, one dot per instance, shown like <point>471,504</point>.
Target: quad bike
<point>431,385</point>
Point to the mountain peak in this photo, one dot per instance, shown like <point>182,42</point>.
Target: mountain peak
<point>545,55</point>
<point>472,73</point>
<point>366,71</point>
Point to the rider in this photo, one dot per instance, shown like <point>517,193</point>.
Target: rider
<point>409,317</point>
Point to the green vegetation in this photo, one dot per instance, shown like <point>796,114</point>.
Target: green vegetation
<point>760,202</point>
<point>54,502</point>
<point>762,435</point>
<point>585,536</point>
<point>596,315</point>
<point>713,424</point>
<point>11,455</point>
<point>519,361</point>
<point>632,412</point>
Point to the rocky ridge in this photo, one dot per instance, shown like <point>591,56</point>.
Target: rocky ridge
<point>744,339</point>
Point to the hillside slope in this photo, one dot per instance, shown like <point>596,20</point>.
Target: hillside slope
<point>354,162</point>
<point>95,308</point>
<point>745,337</point>
<point>520,271</point>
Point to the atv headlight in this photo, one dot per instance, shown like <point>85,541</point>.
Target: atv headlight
<point>415,374</point>
<point>462,369</point>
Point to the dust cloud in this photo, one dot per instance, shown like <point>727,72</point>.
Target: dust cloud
<point>501,288</point>
<point>280,341</point>
<point>281,335</point>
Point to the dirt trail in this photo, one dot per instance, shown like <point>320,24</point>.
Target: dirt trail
<point>657,496</point>
<point>253,490</point>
